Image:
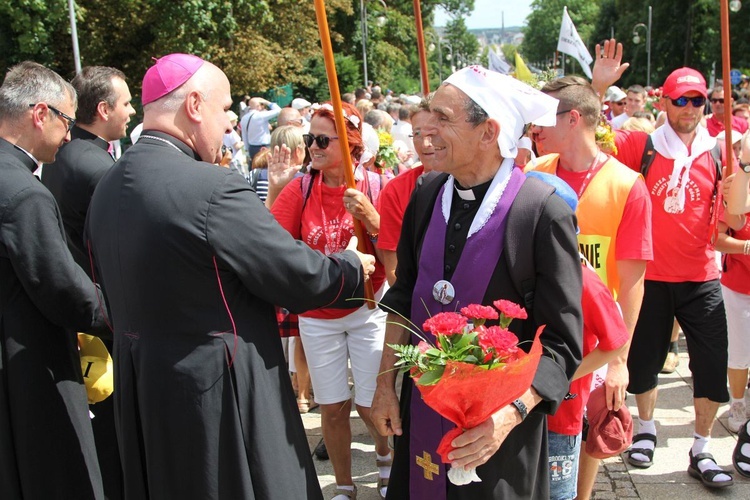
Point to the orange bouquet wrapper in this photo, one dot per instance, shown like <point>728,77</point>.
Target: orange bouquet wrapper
<point>469,394</point>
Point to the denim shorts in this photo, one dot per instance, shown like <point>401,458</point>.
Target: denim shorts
<point>563,465</point>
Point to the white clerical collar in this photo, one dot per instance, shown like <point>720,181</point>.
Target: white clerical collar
<point>466,194</point>
<point>490,201</point>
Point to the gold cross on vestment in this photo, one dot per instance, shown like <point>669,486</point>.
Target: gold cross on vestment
<point>425,461</point>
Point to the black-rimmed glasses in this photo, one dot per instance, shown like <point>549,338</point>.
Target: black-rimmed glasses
<point>322,141</point>
<point>681,102</point>
<point>69,119</point>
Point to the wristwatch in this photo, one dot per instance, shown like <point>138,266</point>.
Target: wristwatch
<point>521,407</point>
<point>745,167</point>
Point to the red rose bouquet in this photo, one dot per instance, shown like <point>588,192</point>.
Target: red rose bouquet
<point>466,355</point>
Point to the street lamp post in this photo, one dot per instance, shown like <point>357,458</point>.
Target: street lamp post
<point>363,20</point>
<point>440,42</point>
<point>637,40</point>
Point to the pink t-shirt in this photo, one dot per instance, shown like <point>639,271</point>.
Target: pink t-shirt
<point>603,327</point>
<point>682,251</point>
<point>392,205</point>
<point>324,225</point>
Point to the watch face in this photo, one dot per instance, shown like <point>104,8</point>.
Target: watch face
<point>745,167</point>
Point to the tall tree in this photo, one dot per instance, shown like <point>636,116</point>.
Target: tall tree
<point>543,26</point>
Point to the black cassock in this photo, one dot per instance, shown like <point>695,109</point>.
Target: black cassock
<point>519,469</point>
<point>72,178</point>
<point>46,443</point>
<point>191,263</point>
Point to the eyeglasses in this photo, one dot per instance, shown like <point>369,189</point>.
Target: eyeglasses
<point>622,103</point>
<point>563,112</point>
<point>720,101</point>
<point>322,141</point>
<point>69,119</point>
<point>681,102</point>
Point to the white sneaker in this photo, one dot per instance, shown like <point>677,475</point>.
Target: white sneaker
<point>737,416</point>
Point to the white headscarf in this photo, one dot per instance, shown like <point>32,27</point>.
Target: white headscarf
<point>509,101</point>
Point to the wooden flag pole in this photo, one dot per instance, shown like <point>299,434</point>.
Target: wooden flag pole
<point>421,48</point>
<point>338,113</point>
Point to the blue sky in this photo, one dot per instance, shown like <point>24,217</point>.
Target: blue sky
<point>487,13</point>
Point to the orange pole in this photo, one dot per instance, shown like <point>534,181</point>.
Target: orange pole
<point>725,68</point>
<point>420,47</point>
<point>338,113</point>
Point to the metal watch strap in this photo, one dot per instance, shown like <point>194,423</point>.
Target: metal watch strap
<point>522,409</point>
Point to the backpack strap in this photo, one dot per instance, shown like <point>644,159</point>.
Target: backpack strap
<point>648,156</point>
<point>519,250</point>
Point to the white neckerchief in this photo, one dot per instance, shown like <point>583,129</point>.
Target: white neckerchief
<point>490,201</point>
<point>668,144</point>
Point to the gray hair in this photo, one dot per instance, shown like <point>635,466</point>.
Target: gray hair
<point>474,112</point>
<point>30,83</point>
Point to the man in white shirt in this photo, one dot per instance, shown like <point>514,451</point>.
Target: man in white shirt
<point>256,131</point>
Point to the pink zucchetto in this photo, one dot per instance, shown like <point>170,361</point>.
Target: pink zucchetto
<point>169,73</point>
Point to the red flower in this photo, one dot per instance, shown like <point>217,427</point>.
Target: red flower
<point>476,311</point>
<point>511,309</point>
<point>445,324</point>
<point>498,340</point>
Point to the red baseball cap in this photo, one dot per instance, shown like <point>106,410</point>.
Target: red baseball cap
<point>167,74</point>
<point>683,80</point>
<point>610,432</point>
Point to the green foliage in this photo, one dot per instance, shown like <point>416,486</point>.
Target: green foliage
<point>259,44</point>
<point>543,26</point>
<point>347,72</point>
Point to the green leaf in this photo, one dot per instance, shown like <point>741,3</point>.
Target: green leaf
<point>432,377</point>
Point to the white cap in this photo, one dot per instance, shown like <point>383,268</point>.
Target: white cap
<point>413,99</point>
<point>509,101</point>
<point>232,115</point>
<point>614,94</point>
<point>736,136</point>
<point>300,103</point>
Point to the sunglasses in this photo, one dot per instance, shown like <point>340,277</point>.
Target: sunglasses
<point>681,102</point>
<point>619,103</point>
<point>322,141</point>
<point>71,122</point>
<point>720,101</point>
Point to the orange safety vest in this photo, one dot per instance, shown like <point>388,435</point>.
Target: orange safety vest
<point>599,214</point>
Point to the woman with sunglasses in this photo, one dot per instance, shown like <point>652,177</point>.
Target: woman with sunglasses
<point>319,210</point>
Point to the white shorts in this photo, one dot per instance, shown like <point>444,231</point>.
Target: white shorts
<point>737,306</point>
<point>330,343</point>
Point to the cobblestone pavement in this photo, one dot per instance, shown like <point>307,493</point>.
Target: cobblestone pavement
<point>614,481</point>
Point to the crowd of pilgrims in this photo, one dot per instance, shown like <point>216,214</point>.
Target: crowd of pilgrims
<point>290,156</point>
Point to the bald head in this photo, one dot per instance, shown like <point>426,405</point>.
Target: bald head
<point>290,116</point>
<point>195,112</point>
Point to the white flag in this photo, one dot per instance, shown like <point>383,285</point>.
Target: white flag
<point>570,43</point>
<point>498,63</point>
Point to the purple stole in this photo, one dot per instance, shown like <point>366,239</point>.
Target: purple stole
<point>470,280</point>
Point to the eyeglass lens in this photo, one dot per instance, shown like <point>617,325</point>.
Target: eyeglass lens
<point>322,141</point>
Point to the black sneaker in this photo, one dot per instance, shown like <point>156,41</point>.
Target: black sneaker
<point>320,451</point>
